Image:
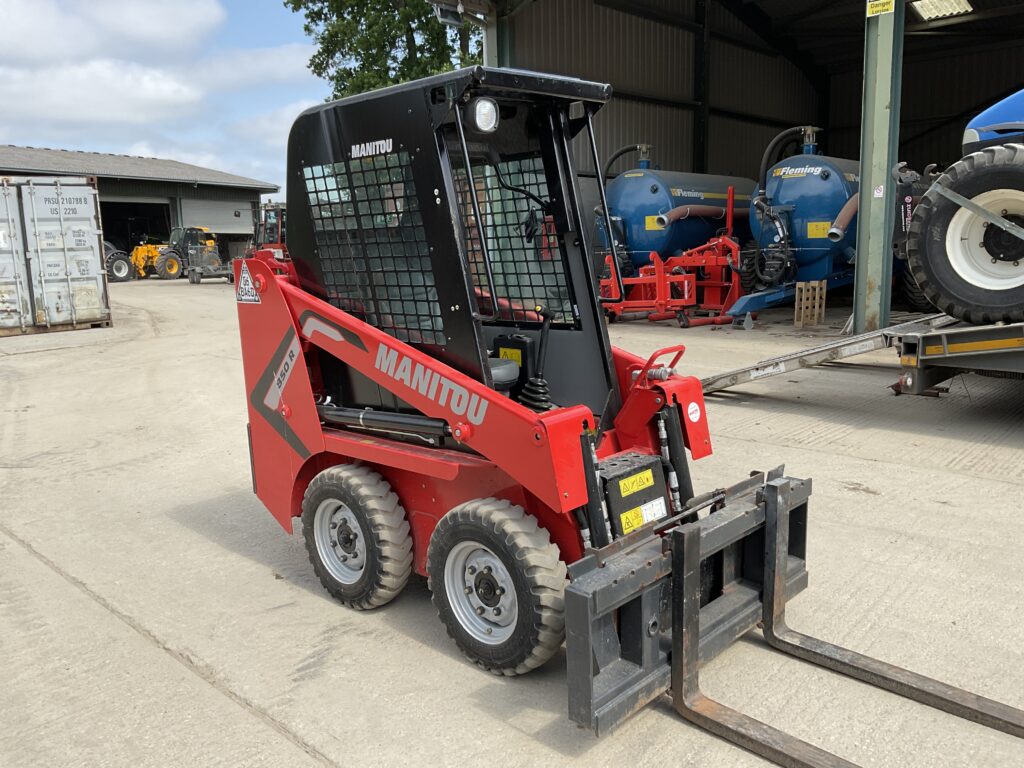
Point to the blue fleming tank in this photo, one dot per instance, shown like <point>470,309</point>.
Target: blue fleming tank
<point>805,194</point>
<point>803,222</point>
<point>638,197</point>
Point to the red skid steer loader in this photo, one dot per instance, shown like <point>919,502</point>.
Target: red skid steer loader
<point>431,389</point>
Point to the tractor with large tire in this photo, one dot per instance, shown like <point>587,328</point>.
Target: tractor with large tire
<point>966,241</point>
<point>431,390</point>
<point>171,260</point>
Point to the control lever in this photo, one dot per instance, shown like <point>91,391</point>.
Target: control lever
<point>536,393</point>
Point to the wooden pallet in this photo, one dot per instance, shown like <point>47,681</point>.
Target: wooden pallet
<point>809,306</point>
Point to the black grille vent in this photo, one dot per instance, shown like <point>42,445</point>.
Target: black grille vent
<point>373,250</point>
<point>527,271</point>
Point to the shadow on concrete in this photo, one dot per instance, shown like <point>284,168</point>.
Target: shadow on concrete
<point>534,704</point>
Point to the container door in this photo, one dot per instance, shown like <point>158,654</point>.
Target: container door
<point>66,254</point>
<point>15,304</point>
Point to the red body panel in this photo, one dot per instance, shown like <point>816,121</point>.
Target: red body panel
<point>532,459</point>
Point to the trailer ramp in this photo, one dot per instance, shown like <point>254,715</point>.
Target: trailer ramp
<point>830,352</point>
<point>646,612</point>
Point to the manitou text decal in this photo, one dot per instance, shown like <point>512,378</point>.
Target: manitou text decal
<point>368,148</point>
<point>432,384</point>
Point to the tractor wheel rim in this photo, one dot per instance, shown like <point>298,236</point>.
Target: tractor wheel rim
<point>481,592</point>
<point>340,541</point>
<point>966,241</point>
<point>119,268</point>
<point>172,266</point>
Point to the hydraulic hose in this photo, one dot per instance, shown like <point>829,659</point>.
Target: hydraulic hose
<point>619,153</point>
<point>769,153</point>
<point>846,214</point>
<point>703,211</point>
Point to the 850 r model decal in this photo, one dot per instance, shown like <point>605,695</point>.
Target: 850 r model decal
<point>266,395</point>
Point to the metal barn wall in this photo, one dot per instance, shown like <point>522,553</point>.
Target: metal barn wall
<point>940,95</point>
<point>650,65</point>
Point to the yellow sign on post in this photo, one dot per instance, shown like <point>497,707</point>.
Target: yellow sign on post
<point>880,7</point>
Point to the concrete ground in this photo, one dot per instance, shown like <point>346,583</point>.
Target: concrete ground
<point>152,612</point>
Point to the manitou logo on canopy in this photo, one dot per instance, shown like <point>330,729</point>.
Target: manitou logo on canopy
<point>370,148</point>
<point>432,384</point>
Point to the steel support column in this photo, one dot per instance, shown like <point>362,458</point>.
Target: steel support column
<point>879,143</point>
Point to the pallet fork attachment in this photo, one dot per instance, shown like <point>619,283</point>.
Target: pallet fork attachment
<point>717,576</point>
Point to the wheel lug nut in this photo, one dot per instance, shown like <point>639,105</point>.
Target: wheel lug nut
<point>480,611</point>
<point>471,570</point>
<point>488,630</point>
<point>344,558</point>
<point>333,526</point>
<point>500,591</point>
<point>469,590</point>
<point>497,611</point>
<point>487,570</point>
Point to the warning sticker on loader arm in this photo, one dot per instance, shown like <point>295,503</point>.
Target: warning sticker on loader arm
<point>637,482</point>
<point>246,292</point>
<point>645,513</point>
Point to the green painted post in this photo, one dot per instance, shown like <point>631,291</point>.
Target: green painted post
<point>879,144</point>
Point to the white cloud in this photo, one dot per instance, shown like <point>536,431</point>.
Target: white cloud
<point>270,129</point>
<point>152,78</point>
<point>67,30</point>
<point>240,68</point>
<point>97,91</point>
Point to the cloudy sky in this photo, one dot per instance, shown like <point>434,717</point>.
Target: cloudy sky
<point>211,82</point>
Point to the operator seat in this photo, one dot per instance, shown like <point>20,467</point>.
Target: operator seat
<point>504,373</point>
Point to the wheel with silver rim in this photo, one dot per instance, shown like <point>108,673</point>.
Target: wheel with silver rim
<point>119,268</point>
<point>498,584</point>
<point>966,266</point>
<point>481,592</point>
<point>357,536</point>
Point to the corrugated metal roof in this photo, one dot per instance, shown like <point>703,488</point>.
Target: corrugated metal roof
<point>63,162</point>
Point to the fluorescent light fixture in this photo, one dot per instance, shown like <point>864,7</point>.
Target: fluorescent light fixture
<point>940,9</point>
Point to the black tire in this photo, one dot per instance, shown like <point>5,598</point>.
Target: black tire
<point>748,267</point>
<point>941,275</point>
<point>913,296</point>
<point>532,567</point>
<point>231,278</point>
<point>194,277</point>
<point>119,267</point>
<point>360,502</point>
<point>168,265</point>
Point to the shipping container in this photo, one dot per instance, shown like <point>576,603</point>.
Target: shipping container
<point>52,274</point>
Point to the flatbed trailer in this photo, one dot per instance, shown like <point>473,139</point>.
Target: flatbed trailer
<point>931,355</point>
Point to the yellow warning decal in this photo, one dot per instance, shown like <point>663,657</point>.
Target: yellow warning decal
<point>818,229</point>
<point>651,222</point>
<point>511,353</point>
<point>631,520</point>
<point>635,483</point>
<point>632,175</point>
<point>880,7</point>
<point>987,345</point>
<point>909,360</point>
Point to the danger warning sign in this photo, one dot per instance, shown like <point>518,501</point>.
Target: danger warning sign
<point>246,293</point>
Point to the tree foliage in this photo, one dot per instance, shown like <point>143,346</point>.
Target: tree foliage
<point>367,44</point>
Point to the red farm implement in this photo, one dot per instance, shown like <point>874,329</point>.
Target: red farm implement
<point>695,287</point>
